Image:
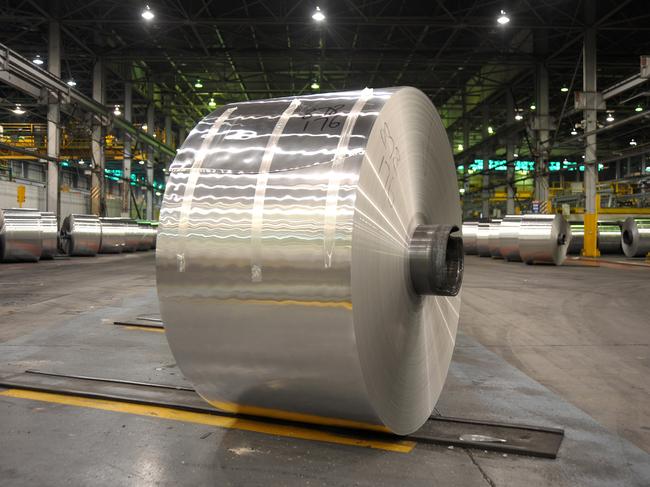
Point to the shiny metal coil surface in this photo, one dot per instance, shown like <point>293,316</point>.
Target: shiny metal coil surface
<point>635,236</point>
<point>483,239</point>
<point>81,234</point>
<point>144,237</point>
<point>609,238</point>
<point>113,238</point>
<point>49,235</point>
<point>131,235</point>
<point>469,237</point>
<point>577,238</point>
<point>20,235</point>
<point>544,239</point>
<point>283,264</point>
<point>509,237</point>
<point>493,239</point>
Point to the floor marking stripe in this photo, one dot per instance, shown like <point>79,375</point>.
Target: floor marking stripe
<point>209,419</point>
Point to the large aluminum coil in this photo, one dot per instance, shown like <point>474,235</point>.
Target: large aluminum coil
<point>81,234</point>
<point>483,239</point>
<point>113,238</point>
<point>131,235</point>
<point>49,235</point>
<point>303,247</point>
<point>509,237</point>
<point>493,239</point>
<point>544,239</point>
<point>20,235</point>
<point>469,237</point>
<point>144,237</point>
<point>577,238</point>
<point>609,238</point>
<point>635,236</point>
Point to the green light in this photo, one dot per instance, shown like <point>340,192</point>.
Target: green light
<point>65,163</point>
<point>638,108</point>
<point>315,85</point>
<point>198,84</point>
<point>212,103</point>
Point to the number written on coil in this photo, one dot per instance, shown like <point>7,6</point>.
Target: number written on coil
<point>323,117</point>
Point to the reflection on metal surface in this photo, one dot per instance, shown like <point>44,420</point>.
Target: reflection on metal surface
<point>609,238</point>
<point>577,238</point>
<point>20,235</point>
<point>544,239</point>
<point>635,236</point>
<point>283,263</point>
<point>482,438</point>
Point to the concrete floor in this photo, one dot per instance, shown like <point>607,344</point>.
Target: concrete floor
<point>536,346</point>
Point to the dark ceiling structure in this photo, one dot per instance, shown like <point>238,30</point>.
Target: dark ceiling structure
<point>456,52</point>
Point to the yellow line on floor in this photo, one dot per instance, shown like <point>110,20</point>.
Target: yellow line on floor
<point>144,328</point>
<point>209,419</point>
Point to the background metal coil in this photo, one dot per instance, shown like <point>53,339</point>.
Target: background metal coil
<point>509,237</point>
<point>483,239</point>
<point>49,235</point>
<point>113,237</point>
<point>493,239</point>
<point>283,260</point>
<point>635,236</point>
<point>544,239</point>
<point>469,237</point>
<point>609,238</point>
<point>20,235</point>
<point>81,235</point>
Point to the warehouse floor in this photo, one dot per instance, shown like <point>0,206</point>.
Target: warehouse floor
<point>563,347</point>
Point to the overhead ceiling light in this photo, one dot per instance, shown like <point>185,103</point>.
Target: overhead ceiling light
<point>460,147</point>
<point>318,15</point>
<point>147,13</point>
<point>490,130</point>
<point>610,117</point>
<point>198,84</point>
<point>18,110</point>
<point>141,162</point>
<point>515,155</point>
<point>81,162</point>
<point>633,142</point>
<point>38,60</point>
<point>461,190</point>
<point>638,108</point>
<point>212,103</point>
<point>564,89</point>
<point>574,131</point>
<point>503,18</point>
<point>145,127</point>
<point>158,193</point>
<point>518,117</point>
<point>71,82</point>
<point>533,106</point>
<point>117,111</point>
<point>315,85</point>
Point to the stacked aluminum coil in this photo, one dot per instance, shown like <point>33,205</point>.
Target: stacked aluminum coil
<point>307,265</point>
<point>493,239</point>
<point>483,239</point>
<point>528,238</point>
<point>609,238</point>
<point>509,237</point>
<point>544,239</point>
<point>635,237</point>
<point>21,236</point>
<point>470,230</point>
<point>81,235</point>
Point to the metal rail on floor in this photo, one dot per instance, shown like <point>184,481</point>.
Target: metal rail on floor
<point>440,430</point>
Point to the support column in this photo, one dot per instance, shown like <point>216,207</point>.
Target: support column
<point>53,119</point>
<point>590,115</point>
<point>541,164</point>
<point>150,131</point>
<point>510,155</point>
<point>128,155</point>
<point>468,160</point>
<point>97,189</point>
<point>485,194</point>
